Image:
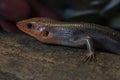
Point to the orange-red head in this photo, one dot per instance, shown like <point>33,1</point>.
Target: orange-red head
<point>38,28</point>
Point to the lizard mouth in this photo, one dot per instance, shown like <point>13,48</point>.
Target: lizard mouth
<point>19,24</point>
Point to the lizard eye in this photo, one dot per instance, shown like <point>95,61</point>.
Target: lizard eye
<point>29,25</point>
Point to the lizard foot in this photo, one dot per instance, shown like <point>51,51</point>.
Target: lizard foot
<point>88,57</point>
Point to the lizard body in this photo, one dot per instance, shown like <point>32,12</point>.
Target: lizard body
<point>72,34</point>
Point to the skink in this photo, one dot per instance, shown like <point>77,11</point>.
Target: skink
<point>72,34</point>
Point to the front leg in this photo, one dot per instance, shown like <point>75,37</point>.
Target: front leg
<point>87,40</point>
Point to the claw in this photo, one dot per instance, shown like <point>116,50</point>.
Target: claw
<point>88,57</point>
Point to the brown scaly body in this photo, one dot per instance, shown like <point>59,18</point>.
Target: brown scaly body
<point>72,34</point>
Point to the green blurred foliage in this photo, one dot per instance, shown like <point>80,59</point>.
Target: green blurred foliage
<point>96,11</point>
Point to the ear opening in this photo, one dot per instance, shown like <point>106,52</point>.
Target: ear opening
<point>46,33</point>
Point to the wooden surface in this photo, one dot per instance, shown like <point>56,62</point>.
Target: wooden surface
<point>24,58</point>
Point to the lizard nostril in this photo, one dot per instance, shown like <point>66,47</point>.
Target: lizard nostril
<point>19,24</point>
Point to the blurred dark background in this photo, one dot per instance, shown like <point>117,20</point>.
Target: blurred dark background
<point>104,12</point>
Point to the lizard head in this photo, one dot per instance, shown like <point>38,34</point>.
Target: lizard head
<point>34,27</point>
<point>38,28</point>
